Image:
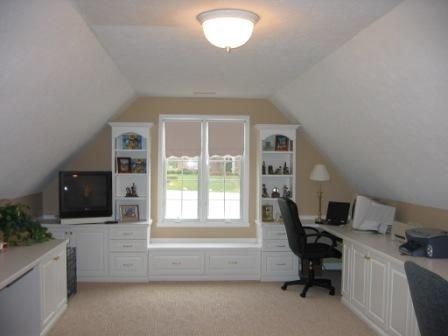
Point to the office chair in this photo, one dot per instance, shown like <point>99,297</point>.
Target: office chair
<point>311,254</point>
<point>429,293</point>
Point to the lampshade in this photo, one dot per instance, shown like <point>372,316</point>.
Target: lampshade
<point>319,173</point>
<point>228,28</point>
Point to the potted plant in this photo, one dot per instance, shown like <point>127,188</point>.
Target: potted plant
<point>18,228</point>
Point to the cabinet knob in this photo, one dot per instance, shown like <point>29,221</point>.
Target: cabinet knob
<point>366,257</point>
<point>233,262</point>
<point>282,264</point>
<point>176,263</point>
<point>56,258</point>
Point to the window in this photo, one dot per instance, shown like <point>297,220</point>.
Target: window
<point>205,170</point>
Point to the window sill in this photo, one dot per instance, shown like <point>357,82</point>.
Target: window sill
<point>222,225</point>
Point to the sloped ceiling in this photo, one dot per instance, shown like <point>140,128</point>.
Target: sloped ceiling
<point>159,45</point>
<point>378,106</point>
<point>57,88</point>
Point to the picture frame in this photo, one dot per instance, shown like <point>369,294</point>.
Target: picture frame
<point>124,165</point>
<point>267,213</point>
<point>132,141</point>
<point>129,213</point>
<point>138,166</point>
<point>281,143</point>
<point>267,146</point>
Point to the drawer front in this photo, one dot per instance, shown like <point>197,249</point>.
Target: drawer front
<point>233,264</point>
<point>279,245</point>
<point>281,263</point>
<point>176,264</point>
<point>128,264</point>
<point>275,233</point>
<point>128,233</point>
<point>128,245</point>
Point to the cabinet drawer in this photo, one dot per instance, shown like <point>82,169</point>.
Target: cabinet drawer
<point>233,264</point>
<point>281,263</point>
<point>165,264</point>
<point>121,245</point>
<point>279,245</point>
<point>131,233</point>
<point>128,264</point>
<point>275,233</point>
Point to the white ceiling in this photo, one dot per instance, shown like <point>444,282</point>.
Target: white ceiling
<point>57,88</point>
<point>378,106</point>
<point>159,46</point>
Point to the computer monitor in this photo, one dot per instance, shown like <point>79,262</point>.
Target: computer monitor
<point>337,213</point>
<point>372,216</point>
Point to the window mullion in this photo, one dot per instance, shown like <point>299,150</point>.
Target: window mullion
<point>204,174</point>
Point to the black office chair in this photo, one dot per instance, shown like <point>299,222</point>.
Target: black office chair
<point>310,254</point>
<point>429,293</point>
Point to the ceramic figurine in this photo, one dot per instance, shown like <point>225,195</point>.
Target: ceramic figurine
<point>264,191</point>
<point>270,170</point>
<point>285,169</point>
<point>275,193</point>
<point>263,168</point>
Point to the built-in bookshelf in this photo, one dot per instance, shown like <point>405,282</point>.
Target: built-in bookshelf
<point>131,169</point>
<point>276,171</point>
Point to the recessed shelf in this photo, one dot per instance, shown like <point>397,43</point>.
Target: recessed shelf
<point>130,174</point>
<point>121,198</point>
<point>276,175</point>
<point>269,198</point>
<point>130,150</point>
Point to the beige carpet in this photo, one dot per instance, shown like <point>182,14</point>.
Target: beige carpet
<point>205,308</point>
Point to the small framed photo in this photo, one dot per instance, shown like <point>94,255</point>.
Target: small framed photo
<point>124,165</point>
<point>138,166</point>
<point>281,143</point>
<point>267,213</point>
<point>132,141</point>
<point>129,213</point>
<point>267,146</point>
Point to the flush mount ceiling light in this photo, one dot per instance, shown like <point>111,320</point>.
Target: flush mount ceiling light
<point>228,28</point>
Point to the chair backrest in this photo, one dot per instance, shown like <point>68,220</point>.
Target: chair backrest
<point>294,229</point>
<point>429,294</point>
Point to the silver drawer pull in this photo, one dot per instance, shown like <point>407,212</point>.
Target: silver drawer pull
<point>128,265</point>
<point>176,263</point>
<point>282,264</point>
<point>127,234</point>
<point>233,262</point>
<point>280,233</point>
<point>128,245</point>
<point>281,245</point>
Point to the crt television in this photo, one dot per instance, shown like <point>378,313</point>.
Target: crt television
<point>370,215</point>
<point>85,196</point>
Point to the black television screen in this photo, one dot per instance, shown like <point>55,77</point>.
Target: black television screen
<point>85,194</point>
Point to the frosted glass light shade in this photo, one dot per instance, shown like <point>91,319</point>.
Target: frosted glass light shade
<point>319,173</point>
<point>228,28</point>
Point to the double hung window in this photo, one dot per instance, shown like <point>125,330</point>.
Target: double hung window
<point>203,160</point>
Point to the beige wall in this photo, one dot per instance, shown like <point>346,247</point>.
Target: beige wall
<point>33,201</point>
<point>97,155</point>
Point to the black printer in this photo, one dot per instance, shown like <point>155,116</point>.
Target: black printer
<point>431,243</point>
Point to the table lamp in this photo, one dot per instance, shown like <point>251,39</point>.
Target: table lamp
<point>319,174</point>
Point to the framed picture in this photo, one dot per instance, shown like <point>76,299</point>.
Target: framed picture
<point>132,141</point>
<point>267,146</point>
<point>281,143</point>
<point>124,165</point>
<point>129,213</point>
<point>267,213</point>
<point>138,166</point>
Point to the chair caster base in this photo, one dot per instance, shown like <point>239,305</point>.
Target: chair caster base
<point>284,287</point>
<point>332,291</point>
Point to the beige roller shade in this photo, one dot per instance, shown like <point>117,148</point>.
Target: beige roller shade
<point>226,138</point>
<point>182,138</point>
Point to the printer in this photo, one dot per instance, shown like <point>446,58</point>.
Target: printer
<point>421,242</point>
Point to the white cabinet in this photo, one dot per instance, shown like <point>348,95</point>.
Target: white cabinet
<point>278,263</point>
<point>53,286</point>
<point>116,252</point>
<point>376,288</point>
<point>131,168</point>
<point>91,252</point>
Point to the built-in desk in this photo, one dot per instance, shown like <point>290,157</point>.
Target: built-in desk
<point>33,287</point>
<point>374,284</point>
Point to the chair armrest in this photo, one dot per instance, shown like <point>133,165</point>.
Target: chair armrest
<point>325,234</point>
<point>311,228</point>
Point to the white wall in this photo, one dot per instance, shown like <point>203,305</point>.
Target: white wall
<point>57,88</point>
<point>378,106</point>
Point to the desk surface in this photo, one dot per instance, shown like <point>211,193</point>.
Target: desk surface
<point>16,261</point>
<point>385,245</point>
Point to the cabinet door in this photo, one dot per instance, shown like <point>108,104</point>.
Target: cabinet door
<point>60,274</point>
<point>346,270</point>
<point>48,296</point>
<point>359,278</point>
<point>377,289</point>
<point>91,252</point>
<point>399,302</point>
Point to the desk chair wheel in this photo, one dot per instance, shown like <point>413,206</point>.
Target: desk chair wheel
<point>283,287</point>
<point>332,291</point>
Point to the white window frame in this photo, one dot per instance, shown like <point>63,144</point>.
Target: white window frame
<point>202,221</point>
